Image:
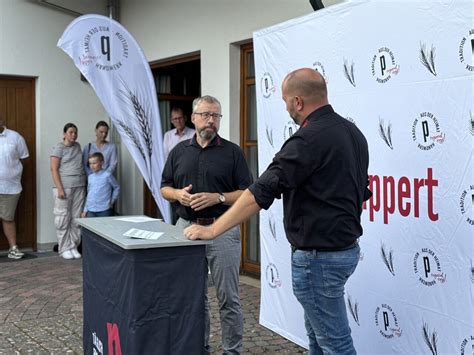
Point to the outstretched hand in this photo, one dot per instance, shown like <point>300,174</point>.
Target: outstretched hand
<point>195,232</point>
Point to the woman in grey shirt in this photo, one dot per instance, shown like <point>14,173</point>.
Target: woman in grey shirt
<point>68,192</point>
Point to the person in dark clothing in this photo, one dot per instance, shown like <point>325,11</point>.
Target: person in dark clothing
<point>321,171</point>
<point>203,176</point>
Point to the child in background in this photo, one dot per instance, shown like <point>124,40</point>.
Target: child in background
<point>102,189</point>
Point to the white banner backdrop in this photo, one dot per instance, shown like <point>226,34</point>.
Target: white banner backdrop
<point>114,64</point>
<point>403,72</point>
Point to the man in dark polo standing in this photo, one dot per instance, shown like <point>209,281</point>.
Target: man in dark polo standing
<point>205,175</point>
<point>321,171</point>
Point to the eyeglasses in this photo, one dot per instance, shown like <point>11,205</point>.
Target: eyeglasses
<point>207,115</point>
<point>177,119</point>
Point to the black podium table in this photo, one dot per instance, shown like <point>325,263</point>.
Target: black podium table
<point>141,296</point>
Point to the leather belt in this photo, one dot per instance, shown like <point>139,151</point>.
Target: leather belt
<point>293,248</point>
<point>204,221</point>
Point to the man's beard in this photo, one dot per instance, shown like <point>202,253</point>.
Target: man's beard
<point>207,135</point>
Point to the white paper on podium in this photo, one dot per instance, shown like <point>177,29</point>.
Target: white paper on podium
<point>142,234</point>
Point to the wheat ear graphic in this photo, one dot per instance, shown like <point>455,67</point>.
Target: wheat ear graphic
<point>386,132</point>
<point>354,309</point>
<point>427,57</point>
<point>349,72</point>
<point>430,340</point>
<point>271,226</point>
<point>269,135</point>
<point>388,259</point>
<point>132,136</point>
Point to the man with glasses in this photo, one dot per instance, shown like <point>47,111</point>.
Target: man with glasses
<point>179,133</point>
<point>204,176</point>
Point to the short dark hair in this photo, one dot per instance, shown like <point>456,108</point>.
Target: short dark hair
<point>97,155</point>
<point>69,125</point>
<point>101,124</point>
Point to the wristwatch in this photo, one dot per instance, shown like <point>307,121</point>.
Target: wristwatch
<point>221,198</point>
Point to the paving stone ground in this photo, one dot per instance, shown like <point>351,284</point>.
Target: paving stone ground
<point>41,310</point>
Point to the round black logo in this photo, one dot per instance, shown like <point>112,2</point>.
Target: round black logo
<point>273,278</point>
<point>387,322</point>
<point>426,131</point>
<point>428,268</point>
<point>104,49</point>
<point>466,51</point>
<point>266,85</point>
<point>466,203</point>
<point>384,65</point>
<point>467,345</point>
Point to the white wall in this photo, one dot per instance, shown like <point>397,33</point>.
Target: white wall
<point>28,36</point>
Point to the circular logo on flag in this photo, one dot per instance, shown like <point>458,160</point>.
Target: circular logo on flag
<point>426,131</point>
<point>387,322</point>
<point>384,65</point>
<point>466,203</point>
<point>467,345</point>
<point>103,49</point>
<point>290,128</point>
<point>266,85</point>
<point>273,278</point>
<point>466,51</point>
<point>428,268</point>
<point>319,67</point>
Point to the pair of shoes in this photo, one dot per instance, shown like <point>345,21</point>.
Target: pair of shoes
<point>67,255</point>
<point>15,253</point>
<point>75,253</point>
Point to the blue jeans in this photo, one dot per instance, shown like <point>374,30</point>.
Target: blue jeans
<point>106,213</point>
<point>318,284</point>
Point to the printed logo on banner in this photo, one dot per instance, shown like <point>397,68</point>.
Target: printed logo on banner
<point>350,119</point>
<point>290,128</point>
<point>471,123</point>
<point>385,131</point>
<point>113,341</point>
<point>97,346</point>
<point>426,131</point>
<point>269,132</point>
<point>273,278</point>
<point>431,339</point>
<point>427,267</point>
<point>387,257</point>
<point>427,58</point>
<point>349,72</point>
<point>466,203</point>
<point>353,309</point>
<point>319,67</point>
<point>113,48</point>
<point>467,346</point>
<point>384,65</point>
<point>387,322</point>
<point>266,85</point>
<point>466,51</point>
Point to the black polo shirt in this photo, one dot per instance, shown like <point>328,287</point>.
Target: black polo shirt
<point>321,171</point>
<point>219,167</point>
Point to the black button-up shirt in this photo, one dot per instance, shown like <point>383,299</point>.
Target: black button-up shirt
<point>321,171</point>
<point>219,167</point>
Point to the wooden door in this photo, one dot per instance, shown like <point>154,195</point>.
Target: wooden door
<point>17,107</point>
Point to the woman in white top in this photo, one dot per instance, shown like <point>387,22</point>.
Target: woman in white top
<point>108,150</point>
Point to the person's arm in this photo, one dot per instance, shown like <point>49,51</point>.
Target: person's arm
<point>202,200</point>
<point>183,196</point>
<point>245,207</point>
<point>85,159</point>
<point>115,190</point>
<point>112,159</point>
<point>55,161</point>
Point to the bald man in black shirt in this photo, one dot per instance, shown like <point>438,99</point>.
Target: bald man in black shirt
<point>321,171</point>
